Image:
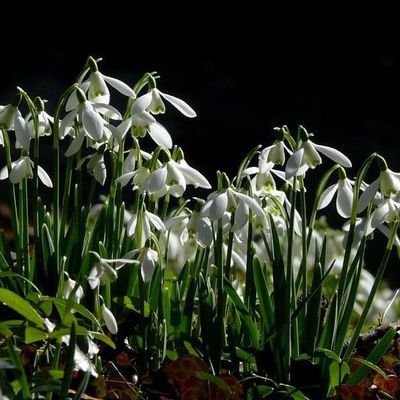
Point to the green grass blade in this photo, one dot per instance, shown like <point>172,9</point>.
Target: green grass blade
<point>376,354</point>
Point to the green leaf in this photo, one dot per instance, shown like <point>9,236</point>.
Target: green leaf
<point>295,393</point>
<point>69,364</point>
<point>258,392</point>
<point>244,356</point>
<point>266,310</point>
<point>33,334</point>
<point>15,275</point>
<point>376,354</point>
<point>82,387</point>
<point>372,366</point>
<point>329,354</point>
<point>337,372</point>
<point>244,314</point>
<point>79,308</point>
<point>220,383</point>
<point>105,339</point>
<point>22,380</point>
<point>21,306</point>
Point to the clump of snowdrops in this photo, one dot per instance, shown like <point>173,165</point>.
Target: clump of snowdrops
<point>245,275</point>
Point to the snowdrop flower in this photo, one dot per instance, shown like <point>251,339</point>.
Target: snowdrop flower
<point>273,155</point>
<point>69,286</point>
<point>96,166</point>
<point>101,273</point>
<point>387,211</point>
<point>173,177</point>
<point>83,361</point>
<point>44,120</point>
<point>90,116</point>
<point>388,182</point>
<point>22,169</point>
<point>148,219</point>
<point>157,106</point>
<point>148,259</point>
<point>143,122</point>
<point>8,114</point>
<point>344,195</point>
<point>228,200</point>
<point>96,87</point>
<point>109,319</point>
<point>307,156</point>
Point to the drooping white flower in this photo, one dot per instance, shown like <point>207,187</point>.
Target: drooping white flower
<point>22,169</point>
<point>148,220</point>
<point>96,87</point>
<point>82,360</point>
<point>143,122</point>
<point>272,155</point>
<point>8,114</point>
<point>173,177</point>
<point>387,211</point>
<point>101,273</point>
<point>69,286</point>
<point>89,115</point>
<point>109,319</point>
<point>228,200</point>
<point>389,184</point>
<point>344,197</point>
<point>148,260</point>
<point>157,106</point>
<point>307,156</point>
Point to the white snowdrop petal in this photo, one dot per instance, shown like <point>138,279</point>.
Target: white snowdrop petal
<point>66,124</point>
<point>125,178</point>
<point>251,202</point>
<point>108,111</point>
<point>131,226</point>
<point>327,196</point>
<point>4,173</point>
<point>140,104</point>
<point>379,216</point>
<point>344,200</point>
<point>334,155</point>
<point>155,221</point>
<point>180,105</point>
<point>367,195</point>
<point>120,86</point>
<point>293,164</point>
<point>204,232</point>
<point>192,176</point>
<point>22,132</point>
<point>75,145</point>
<point>100,171</point>
<point>44,177</point>
<point>241,216</point>
<point>109,320</point>
<point>160,135</point>
<point>218,206</point>
<point>92,122</point>
<point>22,169</point>
<point>157,180</point>
<point>175,221</point>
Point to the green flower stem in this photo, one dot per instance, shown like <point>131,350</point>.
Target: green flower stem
<point>346,260</point>
<point>375,286</point>
<point>290,289</point>
<point>221,299</point>
<point>56,174</point>
<point>230,248</point>
<point>13,204</point>
<point>66,196</point>
<point>320,190</point>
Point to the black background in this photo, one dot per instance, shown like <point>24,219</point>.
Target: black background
<point>242,68</point>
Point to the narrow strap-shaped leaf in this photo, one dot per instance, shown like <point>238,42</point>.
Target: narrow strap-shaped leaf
<point>376,354</point>
<point>249,325</point>
<point>69,364</point>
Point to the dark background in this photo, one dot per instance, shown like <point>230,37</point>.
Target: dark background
<point>243,69</point>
